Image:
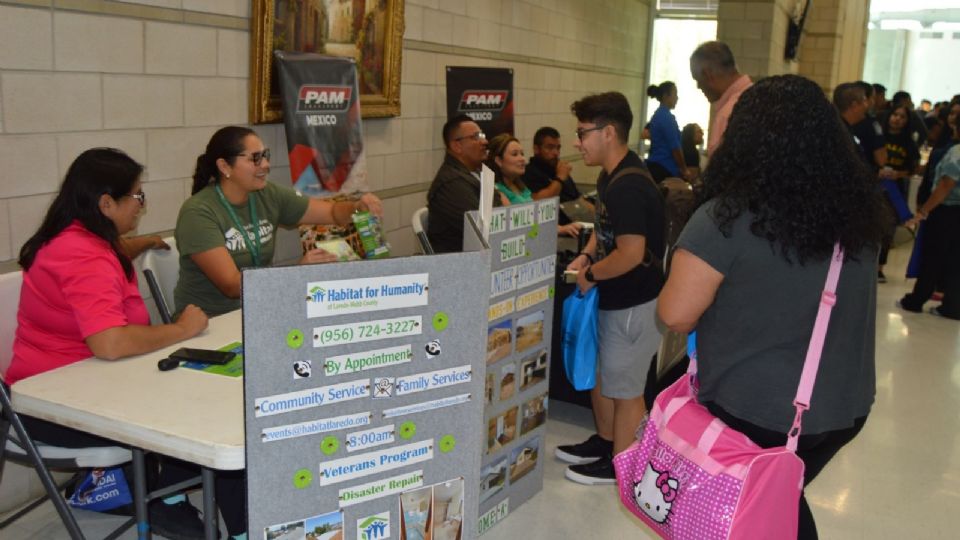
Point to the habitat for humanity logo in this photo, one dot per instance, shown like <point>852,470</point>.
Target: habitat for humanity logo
<point>374,527</point>
<point>324,298</point>
<point>482,100</point>
<point>323,98</point>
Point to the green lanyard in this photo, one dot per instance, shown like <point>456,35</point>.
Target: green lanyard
<point>253,247</point>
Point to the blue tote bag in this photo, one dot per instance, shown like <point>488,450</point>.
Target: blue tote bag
<point>579,334</point>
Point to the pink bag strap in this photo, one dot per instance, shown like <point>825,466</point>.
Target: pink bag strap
<point>814,349</point>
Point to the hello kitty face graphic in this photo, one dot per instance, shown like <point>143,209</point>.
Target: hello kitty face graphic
<point>655,492</point>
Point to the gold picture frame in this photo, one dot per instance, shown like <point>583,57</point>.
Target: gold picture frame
<point>375,40</point>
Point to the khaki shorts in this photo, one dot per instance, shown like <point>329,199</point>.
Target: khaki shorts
<point>628,340</point>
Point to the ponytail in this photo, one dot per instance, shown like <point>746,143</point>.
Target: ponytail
<point>661,91</point>
<point>226,144</point>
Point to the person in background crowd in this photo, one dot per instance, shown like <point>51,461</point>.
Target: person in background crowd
<point>903,154</point>
<point>230,222</point>
<point>914,121</point>
<point>925,106</point>
<point>903,160</point>
<point>869,133</point>
<point>879,104</point>
<point>783,188</point>
<point>80,299</point>
<point>546,174</point>
<point>953,115</point>
<point>713,67</point>
<point>456,186</point>
<point>940,252</point>
<point>629,227</point>
<point>691,137</point>
<point>852,104</point>
<point>938,148</point>
<point>666,153</point>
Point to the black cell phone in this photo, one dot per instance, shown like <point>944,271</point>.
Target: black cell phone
<point>205,356</point>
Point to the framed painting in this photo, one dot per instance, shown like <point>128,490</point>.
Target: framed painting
<point>370,31</point>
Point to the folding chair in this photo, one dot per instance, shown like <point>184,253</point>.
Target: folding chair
<point>161,268</point>
<point>419,222</point>
<point>20,448</point>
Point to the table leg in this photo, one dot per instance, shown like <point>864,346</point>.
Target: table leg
<point>209,504</point>
<point>140,495</point>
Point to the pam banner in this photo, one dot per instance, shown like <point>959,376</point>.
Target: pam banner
<point>321,114</point>
<point>484,94</point>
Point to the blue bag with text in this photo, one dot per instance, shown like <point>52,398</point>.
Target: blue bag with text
<point>101,490</point>
<point>579,337</point>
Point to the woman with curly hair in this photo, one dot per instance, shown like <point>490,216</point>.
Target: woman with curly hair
<point>784,187</point>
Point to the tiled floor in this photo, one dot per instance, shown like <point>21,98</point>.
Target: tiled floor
<point>899,479</point>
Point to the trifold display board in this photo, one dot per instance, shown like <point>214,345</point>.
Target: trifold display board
<point>523,245</point>
<point>362,393</point>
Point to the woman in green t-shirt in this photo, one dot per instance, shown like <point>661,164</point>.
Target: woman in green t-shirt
<point>215,233</point>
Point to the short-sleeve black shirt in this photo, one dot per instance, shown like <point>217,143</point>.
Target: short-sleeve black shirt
<point>869,135</point>
<point>631,205</point>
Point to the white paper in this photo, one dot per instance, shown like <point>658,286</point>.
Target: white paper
<point>342,297</point>
<point>380,488</point>
<point>341,334</point>
<point>314,427</point>
<point>362,361</point>
<point>420,382</point>
<point>341,470</point>
<point>369,438</point>
<point>486,200</point>
<point>426,406</point>
<point>314,397</point>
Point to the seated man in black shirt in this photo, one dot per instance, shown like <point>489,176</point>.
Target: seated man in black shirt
<point>456,187</point>
<point>546,174</point>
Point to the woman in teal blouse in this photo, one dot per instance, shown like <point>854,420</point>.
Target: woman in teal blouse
<point>505,159</point>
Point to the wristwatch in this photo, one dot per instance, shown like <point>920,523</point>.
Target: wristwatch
<point>589,275</point>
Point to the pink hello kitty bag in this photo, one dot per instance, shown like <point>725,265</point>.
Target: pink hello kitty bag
<point>691,476</point>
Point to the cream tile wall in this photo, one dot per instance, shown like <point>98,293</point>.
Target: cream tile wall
<point>133,74</point>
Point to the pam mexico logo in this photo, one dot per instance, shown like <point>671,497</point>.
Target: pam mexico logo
<point>323,98</point>
<point>483,100</point>
<point>374,527</point>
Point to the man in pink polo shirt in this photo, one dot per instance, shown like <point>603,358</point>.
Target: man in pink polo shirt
<point>713,67</point>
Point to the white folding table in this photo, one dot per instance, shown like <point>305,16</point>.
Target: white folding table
<point>183,413</point>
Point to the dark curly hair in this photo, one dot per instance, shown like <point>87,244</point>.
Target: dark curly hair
<point>787,159</point>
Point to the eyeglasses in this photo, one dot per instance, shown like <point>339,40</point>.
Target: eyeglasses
<point>580,132</point>
<point>258,157</point>
<point>476,136</point>
<point>140,196</point>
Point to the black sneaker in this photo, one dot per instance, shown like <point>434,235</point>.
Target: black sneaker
<point>905,307</point>
<point>589,450</point>
<point>880,277</point>
<point>597,473</point>
<point>180,521</point>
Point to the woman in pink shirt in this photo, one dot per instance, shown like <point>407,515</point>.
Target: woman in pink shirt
<point>79,296</point>
<point>80,299</point>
